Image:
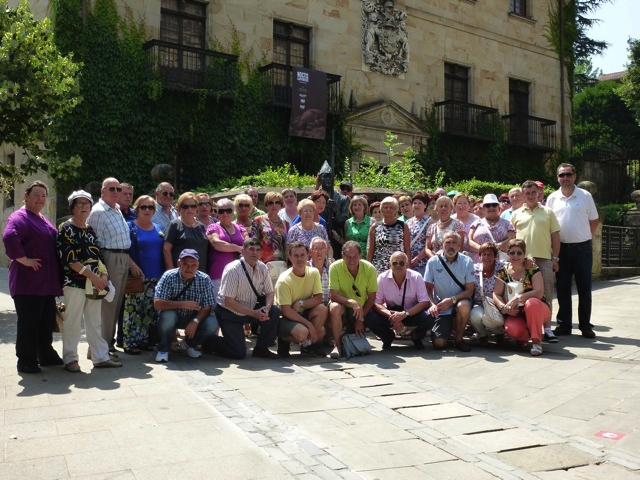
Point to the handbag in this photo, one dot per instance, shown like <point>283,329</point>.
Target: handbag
<point>134,284</point>
<point>60,309</point>
<point>492,315</point>
<point>261,300</point>
<point>355,345</point>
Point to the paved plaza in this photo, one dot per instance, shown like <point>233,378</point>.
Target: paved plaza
<point>573,413</point>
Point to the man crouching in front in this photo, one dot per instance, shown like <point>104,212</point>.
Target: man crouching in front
<point>184,298</point>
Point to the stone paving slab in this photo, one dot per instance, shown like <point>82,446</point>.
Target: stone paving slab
<point>554,457</point>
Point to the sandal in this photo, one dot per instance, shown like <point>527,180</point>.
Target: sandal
<point>132,350</point>
<point>536,350</point>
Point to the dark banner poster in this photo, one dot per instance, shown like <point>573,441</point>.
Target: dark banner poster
<point>308,104</point>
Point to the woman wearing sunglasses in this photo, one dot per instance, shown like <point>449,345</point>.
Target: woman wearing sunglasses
<point>185,232</point>
<point>519,294</point>
<point>146,260</point>
<point>244,208</point>
<point>491,228</point>
<point>272,230</point>
<point>227,239</point>
<point>205,209</point>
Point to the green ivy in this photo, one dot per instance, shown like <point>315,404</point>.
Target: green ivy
<point>128,122</point>
<point>464,158</point>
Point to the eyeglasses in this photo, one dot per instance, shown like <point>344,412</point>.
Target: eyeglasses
<point>398,264</point>
<point>184,207</point>
<point>204,204</point>
<point>564,175</point>
<point>147,207</point>
<point>168,194</point>
<point>244,205</point>
<point>115,189</point>
<point>318,249</point>
<point>83,204</point>
<point>517,253</point>
<point>355,289</point>
<point>277,202</point>
<point>490,205</point>
<point>222,211</point>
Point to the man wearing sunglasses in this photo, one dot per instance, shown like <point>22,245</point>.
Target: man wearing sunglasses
<point>113,233</point>
<point>401,302</point>
<point>579,219</point>
<point>165,212</point>
<point>538,226</point>
<point>353,286</point>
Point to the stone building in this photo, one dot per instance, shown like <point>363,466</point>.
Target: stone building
<point>472,62</point>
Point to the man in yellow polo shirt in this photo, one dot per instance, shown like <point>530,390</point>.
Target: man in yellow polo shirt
<point>353,284</point>
<point>538,226</point>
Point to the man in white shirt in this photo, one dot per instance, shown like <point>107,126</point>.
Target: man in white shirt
<point>578,217</point>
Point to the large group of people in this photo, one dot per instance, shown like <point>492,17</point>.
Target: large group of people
<point>417,267</point>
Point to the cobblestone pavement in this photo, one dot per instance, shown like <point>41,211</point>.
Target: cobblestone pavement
<point>491,413</point>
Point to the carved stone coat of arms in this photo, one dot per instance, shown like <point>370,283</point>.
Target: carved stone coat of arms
<point>385,44</point>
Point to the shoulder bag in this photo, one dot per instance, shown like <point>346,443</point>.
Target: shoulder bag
<point>134,284</point>
<point>446,267</point>
<point>492,315</point>
<point>355,345</point>
<point>261,299</point>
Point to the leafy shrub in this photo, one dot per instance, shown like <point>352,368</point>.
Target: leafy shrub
<point>614,211</point>
<point>281,176</point>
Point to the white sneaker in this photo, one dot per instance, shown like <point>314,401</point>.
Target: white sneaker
<point>192,352</point>
<point>162,357</point>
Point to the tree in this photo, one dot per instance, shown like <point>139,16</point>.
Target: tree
<point>600,115</point>
<point>630,89</point>
<point>37,86</point>
<point>585,75</point>
<point>569,37</point>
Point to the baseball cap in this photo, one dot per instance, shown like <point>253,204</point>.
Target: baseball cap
<point>348,185</point>
<point>189,252</point>
<point>539,184</point>
<point>504,198</point>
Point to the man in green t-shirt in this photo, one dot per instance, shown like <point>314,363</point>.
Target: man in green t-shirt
<point>353,283</point>
<point>299,295</point>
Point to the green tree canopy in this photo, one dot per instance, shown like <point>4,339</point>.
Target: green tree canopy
<point>37,85</point>
<point>630,89</point>
<point>601,115</point>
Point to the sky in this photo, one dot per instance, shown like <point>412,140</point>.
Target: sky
<point>619,22</point>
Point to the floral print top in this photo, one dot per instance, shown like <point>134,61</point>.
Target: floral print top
<point>419,238</point>
<point>273,237</point>
<point>527,280</point>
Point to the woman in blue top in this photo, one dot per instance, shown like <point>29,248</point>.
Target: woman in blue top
<point>146,259</point>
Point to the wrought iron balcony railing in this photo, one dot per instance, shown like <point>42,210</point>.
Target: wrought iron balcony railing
<point>468,120</point>
<point>183,67</point>
<point>528,131</point>
<point>277,80</point>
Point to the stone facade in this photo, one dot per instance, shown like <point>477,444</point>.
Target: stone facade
<point>483,36</point>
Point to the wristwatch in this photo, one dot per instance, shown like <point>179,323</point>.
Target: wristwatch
<point>406,313</point>
<point>557,259</point>
<point>196,320</point>
<point>454,299</point>
<point>301,303</point>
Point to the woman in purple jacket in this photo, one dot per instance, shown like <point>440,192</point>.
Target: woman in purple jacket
<point>34,279</point>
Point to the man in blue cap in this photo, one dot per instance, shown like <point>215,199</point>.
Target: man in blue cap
<point>184,297</point>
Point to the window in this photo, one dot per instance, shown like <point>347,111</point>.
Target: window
<point>10,198</point>
<point>291,44</point>
<point>456,89</point>
<point>519,7</point>
<point>182,23</point>
<point>519,110</point>
<point>456,82</point>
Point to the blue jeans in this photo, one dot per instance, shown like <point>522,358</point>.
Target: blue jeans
<point>576,259</point>
<point>169,321</point>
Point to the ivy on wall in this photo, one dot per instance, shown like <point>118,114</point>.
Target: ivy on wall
<point>491,161</point>
<point>127,122</point>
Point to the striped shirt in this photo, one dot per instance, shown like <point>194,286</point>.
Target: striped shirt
<point>235,284</point>
<point>110,226</point>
